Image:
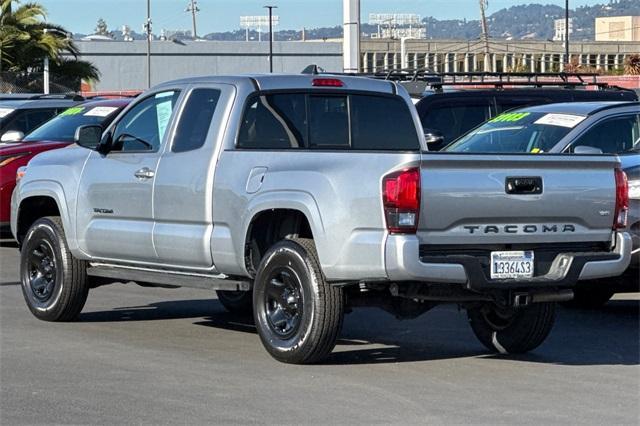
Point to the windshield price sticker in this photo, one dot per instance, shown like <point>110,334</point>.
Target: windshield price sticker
<point>562,120</point>
<point>100,111</point>
<point>5,111</point>
<point>72,111</point>
<point>510,117</point>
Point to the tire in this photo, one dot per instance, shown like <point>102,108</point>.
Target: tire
<point>298,314</point>
<point>512,331</point>
<point>237,302</point>
<point>54,283</point>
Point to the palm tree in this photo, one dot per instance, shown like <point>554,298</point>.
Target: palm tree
<point>26,39</point>
<point>632,64</point>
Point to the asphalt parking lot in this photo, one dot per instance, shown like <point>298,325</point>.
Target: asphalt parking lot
<point>140,355</point>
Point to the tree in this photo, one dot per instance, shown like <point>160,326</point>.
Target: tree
<point>26,39</point>
<point>632,64</point>
<point>102,28</point>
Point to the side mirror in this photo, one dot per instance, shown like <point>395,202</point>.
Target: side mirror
<point>12,136</point>
<point>584,149</point>
<point>434,138</point>
<point>88,136</point>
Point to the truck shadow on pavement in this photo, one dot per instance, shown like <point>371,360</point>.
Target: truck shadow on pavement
<point>177,309</point>
<point>608,336</point>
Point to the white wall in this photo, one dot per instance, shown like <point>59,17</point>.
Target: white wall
<point>123,64</point>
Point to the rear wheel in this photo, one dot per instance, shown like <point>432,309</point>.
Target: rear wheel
<point>508,330</point>
<point>238,302</point>
<point>298,314</point>
<point>54,283</point>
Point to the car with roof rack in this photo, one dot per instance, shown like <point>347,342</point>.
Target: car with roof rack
<point>56,133</point>
<point>20,115</point>
<point>611,128</point>
<point>297,197</point>
<point>451,104</point>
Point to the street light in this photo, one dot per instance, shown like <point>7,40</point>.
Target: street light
<point>45,70</point>
<point>147,28</point>
<point>270,36</point>
<point>566,34</point>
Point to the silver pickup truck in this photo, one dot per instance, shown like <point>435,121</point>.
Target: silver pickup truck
<point>299,197</point>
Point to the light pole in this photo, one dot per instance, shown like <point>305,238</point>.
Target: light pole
<point>147,28</point>
<point>45,69</point>
<point>193,8</point>
<point>566,34</point>
<point>271,36</point>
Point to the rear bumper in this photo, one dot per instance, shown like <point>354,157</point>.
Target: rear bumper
<point>403,263</point>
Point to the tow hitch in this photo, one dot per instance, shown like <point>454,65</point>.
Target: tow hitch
<point>520,300</point>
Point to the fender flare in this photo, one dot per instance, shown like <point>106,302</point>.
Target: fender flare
<point>300,201</point>
<point>53,190</point>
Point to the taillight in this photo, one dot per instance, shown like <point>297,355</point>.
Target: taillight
<point>622,200</point>
<point>401,200</point>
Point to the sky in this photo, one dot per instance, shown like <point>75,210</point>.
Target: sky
<point>80,16</point>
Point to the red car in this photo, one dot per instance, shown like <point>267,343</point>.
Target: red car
<point>55,133</point>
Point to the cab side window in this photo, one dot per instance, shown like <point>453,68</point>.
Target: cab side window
<point>192,129</point>
<point>612,136</point>
<point>143,127</point>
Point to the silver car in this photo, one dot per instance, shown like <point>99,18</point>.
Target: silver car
<point>579,128</point>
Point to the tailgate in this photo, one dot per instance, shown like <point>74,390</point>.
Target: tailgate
<point>471,199</point>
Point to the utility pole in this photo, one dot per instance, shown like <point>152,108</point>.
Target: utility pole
<point>193,8</point>
<point>351,38</point>
<point>45,74</point>
<point>147,29</point>
<point>566,34</point>
<point>485,34</point>
<point>271,36</point>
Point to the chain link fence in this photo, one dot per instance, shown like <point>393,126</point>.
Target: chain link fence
<point>11,82</point>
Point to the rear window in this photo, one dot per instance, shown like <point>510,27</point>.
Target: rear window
<point>327,121</point>
<point>382,123</point>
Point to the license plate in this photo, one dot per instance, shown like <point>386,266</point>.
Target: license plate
<point>511,264</point>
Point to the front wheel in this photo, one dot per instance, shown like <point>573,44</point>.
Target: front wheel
<point>508,330</point>
<point>298,314</point>
<point>54,283</point>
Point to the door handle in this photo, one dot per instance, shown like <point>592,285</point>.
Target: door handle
<point>523,185</point>
<point>144,173</point>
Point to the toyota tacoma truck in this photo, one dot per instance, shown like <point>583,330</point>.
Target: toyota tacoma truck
<point>298,197</point>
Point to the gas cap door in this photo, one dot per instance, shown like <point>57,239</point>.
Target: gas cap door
<point>256,177</point>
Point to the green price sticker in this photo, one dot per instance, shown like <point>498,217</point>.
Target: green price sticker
<point>510,117</point>
<point>72,111</point>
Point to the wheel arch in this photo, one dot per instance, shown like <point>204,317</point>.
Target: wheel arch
<point>38,199</point>
<point>272,218</point>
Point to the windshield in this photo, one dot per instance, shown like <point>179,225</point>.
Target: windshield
<point>63,127</point>
<point>517,132</point>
